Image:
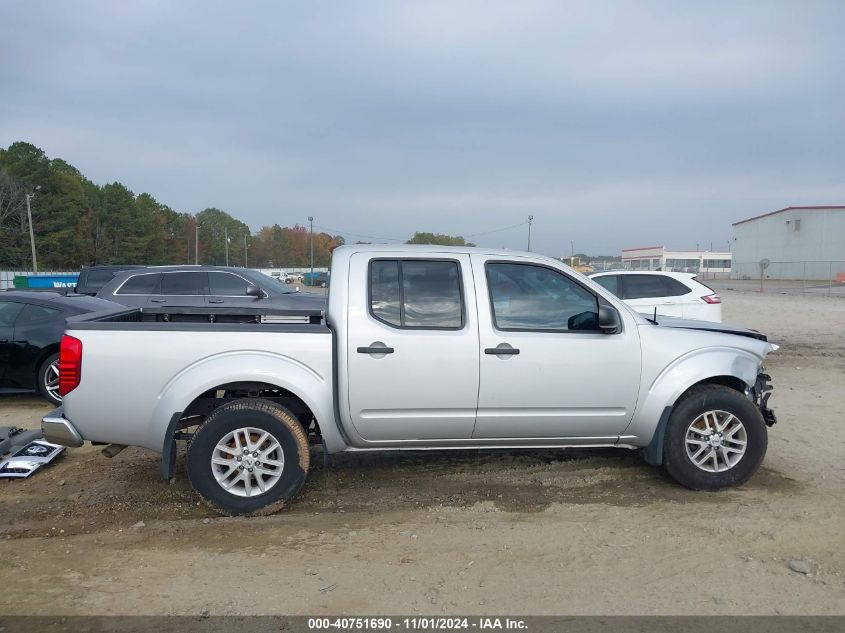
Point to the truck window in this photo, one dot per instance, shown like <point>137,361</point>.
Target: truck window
<point>531,297</point>
<point>146,284</point>
<point>227,284</point>
<point>416,293</point>
<point>184,284</point>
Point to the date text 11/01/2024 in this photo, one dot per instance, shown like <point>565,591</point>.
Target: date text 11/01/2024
<point>416,623</point>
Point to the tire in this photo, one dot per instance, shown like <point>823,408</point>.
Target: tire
<point>283,469</point>
<point>732,418</point>
<point>47,379</point>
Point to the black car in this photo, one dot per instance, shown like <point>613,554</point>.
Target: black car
<point>93,278</point>
<point>31,327</point>
<point>205,286</point>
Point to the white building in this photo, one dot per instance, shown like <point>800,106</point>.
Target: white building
<point>711,263</point>
<point>799,242</point>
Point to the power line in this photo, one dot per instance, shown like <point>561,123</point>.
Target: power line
<point>371,237</point>
<point>397,239</point>
<point>506,228</point>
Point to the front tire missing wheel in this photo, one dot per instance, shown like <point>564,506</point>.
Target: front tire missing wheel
<point>726,427</point>
<point>270,432</point>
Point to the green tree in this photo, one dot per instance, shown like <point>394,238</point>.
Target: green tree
<point>438,239</point>
<point>214,225</point>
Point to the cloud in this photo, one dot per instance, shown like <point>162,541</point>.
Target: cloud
<point>611,123</point>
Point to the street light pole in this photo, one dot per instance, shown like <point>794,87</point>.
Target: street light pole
<point>196,241</point>
<point>530,220</point>
<point>31,232</point>
<point>246,264</point>
<point>311,221</point>
<point>226,242</point>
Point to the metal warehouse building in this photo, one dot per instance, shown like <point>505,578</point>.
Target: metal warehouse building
<point>798,242</point>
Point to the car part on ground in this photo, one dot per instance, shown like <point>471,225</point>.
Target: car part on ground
<point>12,438</point>
<point>29,458</point>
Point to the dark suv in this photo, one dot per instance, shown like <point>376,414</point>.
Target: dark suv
<point>205,286</point>
<point>93,278</point>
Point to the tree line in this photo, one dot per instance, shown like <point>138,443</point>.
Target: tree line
<point>77,222</point>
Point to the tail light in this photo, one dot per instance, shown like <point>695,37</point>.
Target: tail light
<point>70,364</point>
<point>712,299</point>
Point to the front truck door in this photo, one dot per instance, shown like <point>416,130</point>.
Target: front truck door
<point>546,370</point>
<point>412,347</point>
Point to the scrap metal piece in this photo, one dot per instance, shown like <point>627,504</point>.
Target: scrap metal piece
<point>30,458</point>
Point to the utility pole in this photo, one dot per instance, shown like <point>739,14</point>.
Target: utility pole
<point>311,221</point>
<point>246,264</point>
<point>530,220</point>
<point>226,242</point>
<point>31,233</point>
<point>196,241</point>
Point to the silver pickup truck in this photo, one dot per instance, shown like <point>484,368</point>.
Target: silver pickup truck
<point>419,348</point>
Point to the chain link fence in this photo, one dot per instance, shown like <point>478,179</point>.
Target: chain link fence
<point>803,277</point>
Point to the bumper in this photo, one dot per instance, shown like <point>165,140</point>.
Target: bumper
<point>58,430</point>
<point>762,391</point>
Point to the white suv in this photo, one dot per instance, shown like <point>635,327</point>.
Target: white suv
<point>671,294</point>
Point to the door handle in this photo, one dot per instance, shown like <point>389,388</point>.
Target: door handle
<point>157,300</point>
<point>501,350</point>
<point>376,349</point>
<point>215,300</point>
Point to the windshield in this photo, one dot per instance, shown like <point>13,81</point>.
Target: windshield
<point>270,283</point>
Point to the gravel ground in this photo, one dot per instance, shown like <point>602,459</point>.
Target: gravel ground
<point>549,532</point>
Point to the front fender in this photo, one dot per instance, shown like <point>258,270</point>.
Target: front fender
<point>246,366</point>
<point>664,389</point>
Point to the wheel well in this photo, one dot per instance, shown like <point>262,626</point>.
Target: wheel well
<point>213,398</point>
<point>732,382</point>
<point>42,356</point>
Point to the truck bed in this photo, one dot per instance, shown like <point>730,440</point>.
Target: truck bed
<point>143,368</point>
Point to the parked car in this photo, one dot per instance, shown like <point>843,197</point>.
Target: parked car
<point>422,348</point>
<point>200,286</point>
<point>31,326</point>
<point>93,278</point>
<point>292,278</point>
<point>318,280</point>
<point>671,294</point>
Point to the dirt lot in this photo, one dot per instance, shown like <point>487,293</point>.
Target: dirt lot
<point>474,533</point>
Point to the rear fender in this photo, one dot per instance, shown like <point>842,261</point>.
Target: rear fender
<point>282,371</point>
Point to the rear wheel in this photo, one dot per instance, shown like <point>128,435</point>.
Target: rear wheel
<point>249,457</point>
<point>48,379</point>
<point>715,438</point>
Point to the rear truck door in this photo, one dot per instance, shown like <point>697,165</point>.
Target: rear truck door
<point>181,289</point>
<point>412,347</point>
<point>546,370</point>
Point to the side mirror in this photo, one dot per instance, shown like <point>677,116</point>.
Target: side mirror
<point>254,291</point>
<point>609,320</point>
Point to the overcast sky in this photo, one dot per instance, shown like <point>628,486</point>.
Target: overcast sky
<point>614,124</point>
